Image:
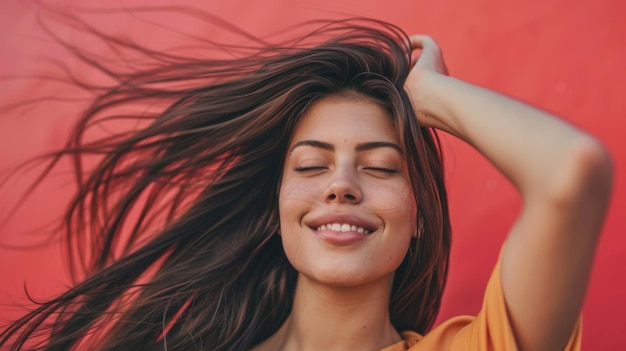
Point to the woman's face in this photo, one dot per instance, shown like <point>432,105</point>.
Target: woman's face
<point>347,210</point>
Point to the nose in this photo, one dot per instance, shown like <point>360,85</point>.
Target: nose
<point>344,187</point>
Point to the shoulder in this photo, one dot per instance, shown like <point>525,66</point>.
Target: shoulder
<point>490,329</point>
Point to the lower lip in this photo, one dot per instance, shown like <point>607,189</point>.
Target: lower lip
<point>340,238</point>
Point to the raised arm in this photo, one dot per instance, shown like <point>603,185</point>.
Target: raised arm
<point>564,177</point>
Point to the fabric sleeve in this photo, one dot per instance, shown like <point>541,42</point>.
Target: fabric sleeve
<point>490,330</point>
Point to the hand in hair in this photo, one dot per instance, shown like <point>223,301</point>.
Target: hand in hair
<point>564,178</point>
<point>430,59</point>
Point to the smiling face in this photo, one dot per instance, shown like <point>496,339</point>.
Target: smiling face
<point>347,210</point>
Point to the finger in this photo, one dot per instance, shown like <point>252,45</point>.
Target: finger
<point>416,41</point>
<point>421,41</point>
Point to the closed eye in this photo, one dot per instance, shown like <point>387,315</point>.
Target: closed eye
<point>381,169</point>
<point>310,168</point>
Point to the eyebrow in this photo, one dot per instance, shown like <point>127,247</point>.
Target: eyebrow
<point>360,147</point>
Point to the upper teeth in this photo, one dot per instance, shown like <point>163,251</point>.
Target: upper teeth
<point>339,227</point>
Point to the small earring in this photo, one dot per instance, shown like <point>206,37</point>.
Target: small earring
<point>419,232</point>
<point>420,228</point>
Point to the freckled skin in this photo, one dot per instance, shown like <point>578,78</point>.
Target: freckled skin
<point>346,182</point>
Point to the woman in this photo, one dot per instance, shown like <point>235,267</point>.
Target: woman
<point>293,199</point>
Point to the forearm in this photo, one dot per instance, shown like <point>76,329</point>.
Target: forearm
<point>564,177</point>
<point>538,152</point>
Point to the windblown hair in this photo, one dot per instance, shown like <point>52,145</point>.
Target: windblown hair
<point>175,228</point>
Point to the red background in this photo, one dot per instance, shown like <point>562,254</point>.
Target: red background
<point>567,57</point>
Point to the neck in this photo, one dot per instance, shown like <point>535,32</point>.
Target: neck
<point>337,318</point>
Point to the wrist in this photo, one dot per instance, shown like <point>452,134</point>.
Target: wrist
<point>425,89</point>
<point>414,87</point>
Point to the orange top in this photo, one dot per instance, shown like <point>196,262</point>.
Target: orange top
<point>489,330</point>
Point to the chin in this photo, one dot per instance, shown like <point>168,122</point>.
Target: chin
<point>345,274</point>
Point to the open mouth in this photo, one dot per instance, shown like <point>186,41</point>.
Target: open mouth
<point>343,227</point>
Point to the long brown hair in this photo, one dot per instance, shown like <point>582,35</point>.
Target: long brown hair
<point>175,228</point>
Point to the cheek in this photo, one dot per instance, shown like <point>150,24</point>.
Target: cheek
<point>294,201</point>
<point>401,220</point>
<point>397,204</point>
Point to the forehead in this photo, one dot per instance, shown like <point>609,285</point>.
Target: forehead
<point>346,118</point>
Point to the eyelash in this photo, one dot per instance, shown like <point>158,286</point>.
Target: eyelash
<point>385,170</point>
<point>309,168</point>
<point>317,168</point>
